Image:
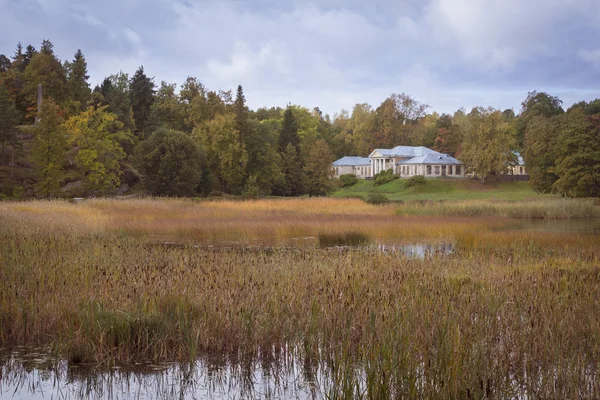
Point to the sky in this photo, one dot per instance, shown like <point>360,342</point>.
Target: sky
<point>331,54</point>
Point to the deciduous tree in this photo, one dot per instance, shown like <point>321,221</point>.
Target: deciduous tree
<point>488,143</point>
<point>577,163</point>
<point>317,169</point>
<point>95,137</point>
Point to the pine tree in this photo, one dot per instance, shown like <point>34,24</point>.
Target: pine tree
<point>141,94</point>
<point>79,87</point>
<point>289,132</point>
<point>49,149</point>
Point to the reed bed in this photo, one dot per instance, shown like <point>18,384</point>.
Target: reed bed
<point>210,221</point>
<point>510,314</point>
<point>546,208</point>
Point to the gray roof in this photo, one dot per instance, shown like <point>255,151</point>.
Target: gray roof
<point>431,159</point>
<point>406,151</point>
<point>352,161</point>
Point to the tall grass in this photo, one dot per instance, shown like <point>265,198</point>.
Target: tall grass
<point>547,208</point>
<point>508,315</point>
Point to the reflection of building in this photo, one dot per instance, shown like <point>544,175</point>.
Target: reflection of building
<point>405,161</point>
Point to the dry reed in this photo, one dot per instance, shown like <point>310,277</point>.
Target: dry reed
<point>511,314</point>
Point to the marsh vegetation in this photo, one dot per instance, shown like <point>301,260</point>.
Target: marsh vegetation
<point>509,313</point>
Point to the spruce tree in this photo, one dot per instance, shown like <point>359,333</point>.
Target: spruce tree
<point>293,176</point>
<point>289,132</point>
<point>79,87</point>
<point>241,115</point>
<point>29,53</point>
<point>49,149</point>
<point>141,94</point>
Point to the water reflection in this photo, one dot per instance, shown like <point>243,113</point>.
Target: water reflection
<point>32,375</point>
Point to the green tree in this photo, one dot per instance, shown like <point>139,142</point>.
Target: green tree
<point>9,118</point>
<point>292,183</point>
<point>115,94</point>
<point>541,151</point>
<point>289,132</point>
<point>95,136</point>
<point>49,149</point>
<point>166,111</point>
<point>263,159</point>
<point>171,164</point>
<point>141,94</point>
<point>241,115</point>
<point>225,151</point>
<point>317,170</point>
<point>577,163</point>
<point>77,81</point>
<point>488,143</point>
<point>537,104</point>
<point>45,69</point>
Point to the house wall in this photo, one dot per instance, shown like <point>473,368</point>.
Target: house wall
<point>406,171</point>
<point>362,171</point>
<point>338,171</point>
<point>517,170</point>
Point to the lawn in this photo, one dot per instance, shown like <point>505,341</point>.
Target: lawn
<point>443,189</point>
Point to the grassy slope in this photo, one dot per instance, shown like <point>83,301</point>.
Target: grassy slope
<point>440,189</point>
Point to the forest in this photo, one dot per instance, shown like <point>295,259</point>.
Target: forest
<point>130,134</point>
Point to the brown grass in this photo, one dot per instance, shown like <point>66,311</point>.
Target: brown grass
<point>510,314</point>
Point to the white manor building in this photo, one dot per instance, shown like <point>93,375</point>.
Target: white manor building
<point>405,161</point>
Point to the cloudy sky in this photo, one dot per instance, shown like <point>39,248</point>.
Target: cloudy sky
<point>331,53</point>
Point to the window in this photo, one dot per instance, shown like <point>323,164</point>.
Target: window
<point>521,170</point>
<point>449,169</point>
<point>429,170</point>
<point>458,170</point>
<point>437,169</point>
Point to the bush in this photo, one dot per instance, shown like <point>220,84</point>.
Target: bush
<point>384,177</point>
<point>415,180</point>
<point>377,199</point>
<point>348,180</point>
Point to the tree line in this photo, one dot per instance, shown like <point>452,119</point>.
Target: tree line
<point>190,140</point>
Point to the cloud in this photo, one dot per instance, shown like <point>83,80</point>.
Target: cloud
<point>330,53</point>
<point>590,56</point>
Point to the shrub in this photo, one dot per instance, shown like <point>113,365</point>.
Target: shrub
<point>377,199</point>
<point>415,180</point>
<point>348,180</point>
<point>384,177</point>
